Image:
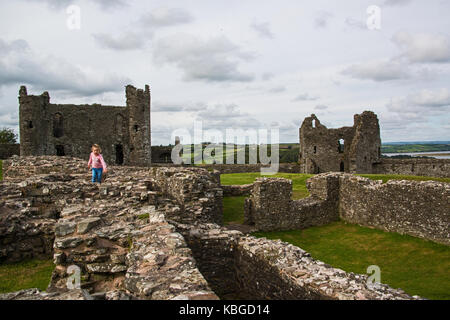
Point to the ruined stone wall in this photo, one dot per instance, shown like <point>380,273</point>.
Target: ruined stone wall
<point>415,167</point>
<point>249,168</point>
<point>9,150</point>
<point>237,190</point>
<point>417,208</point>
<point>131,240</point>
<point>123,133</point>
<point>196,192</point>
<point>321,149</point>
<point>270,207</point>
<point>116,233</point>
<point>245,267</point>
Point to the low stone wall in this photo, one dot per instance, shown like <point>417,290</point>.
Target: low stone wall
<point>116,233</point>
<point>237,190</point>
<point>245,267</point>
<point>415,167</point>
<point>270,207</point>
<point>9,150</point>
<point>196,191</point>
<point>249,168</point>
<point>141,235</point>
<point>417,208</point>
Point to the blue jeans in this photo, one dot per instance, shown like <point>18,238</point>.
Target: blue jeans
<point>97,175</point>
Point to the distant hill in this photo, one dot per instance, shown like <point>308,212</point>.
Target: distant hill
<point>414,147</point>
<point>417,142</point>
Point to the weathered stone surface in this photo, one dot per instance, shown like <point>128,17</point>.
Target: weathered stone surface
<point>349,149</point>
<point>122,132</point>
<point>87,224</point>
<point>417,208</point>
<point>153,235</point>
<point>237,190</point>
<point>64,228</point>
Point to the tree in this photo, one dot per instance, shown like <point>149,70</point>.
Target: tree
<point>7,135</point>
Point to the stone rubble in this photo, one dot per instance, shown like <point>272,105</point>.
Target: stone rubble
<point>151,233</point>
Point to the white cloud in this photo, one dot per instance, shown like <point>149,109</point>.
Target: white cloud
<point>419,106</point>
<point>224,116</point>
<point>355,23</point>
<point>60,4</point>
<point>322,19</point>
<point>212,60</point>
<point>378,71</point>
<point>424,47</point>
<point>125,41</point>
<point>397,2</point>
<point>432,98</point>
<point>305,97</point>
<point>20,64</point>
<point>165,17</point>
<point>263,29</point>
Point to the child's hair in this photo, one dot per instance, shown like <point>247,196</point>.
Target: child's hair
<point>98,147</point>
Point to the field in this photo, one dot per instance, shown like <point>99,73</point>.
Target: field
<point>408,148</point>
<point>25,275</point>
<point>415,265</point>
<point>299,190</point>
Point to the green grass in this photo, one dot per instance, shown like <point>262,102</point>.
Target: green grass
<point>143,216</point>
<point>1,170</point>
<point>299,190</point>
<point>25,275</point>
<point>399,148</point>
<point>233,207</point>
<point>233,210</point>
<point>415,265</point>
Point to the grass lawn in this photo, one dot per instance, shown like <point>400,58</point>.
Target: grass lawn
<point>233,207</point>
<point>233,210</point>
<point>299,190</point>
<point>25,275</point>
<point>417,266</point>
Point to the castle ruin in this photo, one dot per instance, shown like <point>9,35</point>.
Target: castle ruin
<point>69,130</point>
<point>348,149</point>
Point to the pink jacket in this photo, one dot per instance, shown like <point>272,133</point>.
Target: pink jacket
<point>96,162</point>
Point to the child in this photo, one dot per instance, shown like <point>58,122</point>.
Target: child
<point>97,163</point>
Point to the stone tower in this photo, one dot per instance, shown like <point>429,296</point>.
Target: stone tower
<point>348,149</point>
<point>138,104</point>
<point>123,133</point>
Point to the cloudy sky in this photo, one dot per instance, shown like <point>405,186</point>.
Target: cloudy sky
<point>245,64</point>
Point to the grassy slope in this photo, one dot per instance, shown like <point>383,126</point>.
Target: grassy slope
<point>417,266</point>
<point>25,275</point>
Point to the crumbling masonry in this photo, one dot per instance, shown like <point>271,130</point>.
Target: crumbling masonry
<point>69,130</point>
<point>349,149</point>
<point>151,233</point>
